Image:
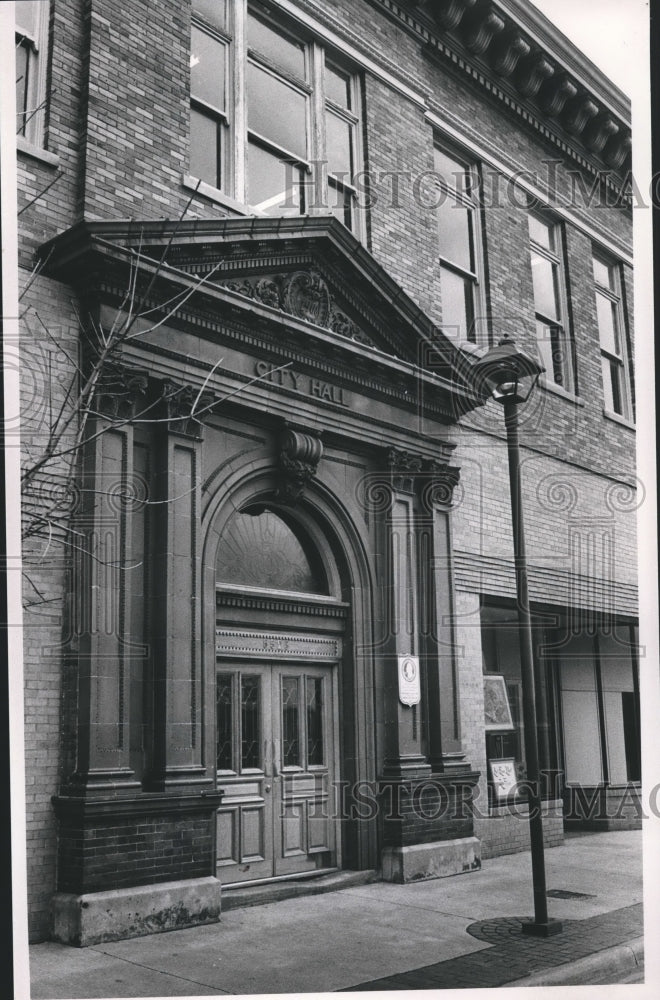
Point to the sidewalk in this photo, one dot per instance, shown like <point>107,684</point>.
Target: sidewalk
<point>453,932</point>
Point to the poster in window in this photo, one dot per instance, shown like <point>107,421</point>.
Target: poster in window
<point>497,711</point>
<point>504,778</point>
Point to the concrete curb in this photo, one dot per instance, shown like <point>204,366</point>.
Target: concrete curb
<point>592,969</point>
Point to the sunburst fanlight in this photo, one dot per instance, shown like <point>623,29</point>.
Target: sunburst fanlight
<point>258,549</point>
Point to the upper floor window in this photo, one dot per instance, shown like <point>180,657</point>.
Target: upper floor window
<point>31,21</point>
<point>613,353</point>
<point>553,336</point>
<point>274,117</point>
<point>458,245</point>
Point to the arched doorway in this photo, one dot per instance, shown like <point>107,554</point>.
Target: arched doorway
<point>280,625</point>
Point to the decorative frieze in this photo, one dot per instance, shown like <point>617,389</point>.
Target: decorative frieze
<point>539,74</point>
<point>303,294</point>
<point>276,645</point>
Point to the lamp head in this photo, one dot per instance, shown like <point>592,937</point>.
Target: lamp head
<point>506,373</point>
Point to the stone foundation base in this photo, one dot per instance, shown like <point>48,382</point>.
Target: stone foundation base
<point>125,913</point>
<point>424,861</point>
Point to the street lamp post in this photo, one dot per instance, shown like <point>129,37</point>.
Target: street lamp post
<point>508,375</point>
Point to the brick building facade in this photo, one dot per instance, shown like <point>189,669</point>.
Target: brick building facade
<point>309,220</point>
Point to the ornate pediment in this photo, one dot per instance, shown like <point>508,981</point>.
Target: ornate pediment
<point>304,295</point>
<point>302,289</point>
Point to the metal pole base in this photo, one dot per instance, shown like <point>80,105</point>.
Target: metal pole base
<point>547,929</point>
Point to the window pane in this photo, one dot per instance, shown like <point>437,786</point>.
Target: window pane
<point>284,52</point>
<point>456,296</point>
<point>337,87</point>
<point>544,276</point>
<point>451,171</point>
<point>250,711</point>
<point>22,70</point>
<point>544,343</point>
<point>25,16</point>
<point>314,687</point>
<point>454,237</point>
<point>556,355</point>
<point>274,187</point>
<point>603,274</point>
<point>613,387</point>
<point>607,384</point>
<point>213,11</point>
<point>607,324</point>
<point>205,148</point>
<point>224,731</point>
<point>340,204</point>
<point>276,111</point>
<point>290,722</point>
<point>339,152</point>
<point>541,232</point>
<point>207,69</point>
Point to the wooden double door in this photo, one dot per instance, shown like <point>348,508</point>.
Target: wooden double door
<point>276,745</point>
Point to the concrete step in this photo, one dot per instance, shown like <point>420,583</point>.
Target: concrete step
<point>272,892</point>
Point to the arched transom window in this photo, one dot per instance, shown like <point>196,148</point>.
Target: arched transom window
<point>259,549</point>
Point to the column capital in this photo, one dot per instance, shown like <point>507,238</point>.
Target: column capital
<point>184,407</point>
<point>119,392</point>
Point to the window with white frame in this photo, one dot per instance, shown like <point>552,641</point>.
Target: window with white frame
<point>553,336</point>
<point>274,115</point>
<point>458,245</point>
<point>31,24</point>
<point>611,330</point>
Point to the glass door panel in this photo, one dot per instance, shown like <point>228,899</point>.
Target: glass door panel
<point>305,822</point>
<point>243,758</point>
<point>276,759</point>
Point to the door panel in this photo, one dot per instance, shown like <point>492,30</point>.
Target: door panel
<point>276,746</point>
<point>304,836</point>
<point>244,828</point>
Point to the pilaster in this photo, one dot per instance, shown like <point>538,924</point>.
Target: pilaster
<point>176,612</point>
<point>404,756</point>
<point>101,597</point>
<point>436,583</point>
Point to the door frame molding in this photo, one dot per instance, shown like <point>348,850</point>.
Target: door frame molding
<point>336,522</point>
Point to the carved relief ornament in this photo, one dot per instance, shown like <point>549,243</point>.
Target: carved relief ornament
<point>299,457</point>
<point>185,407</point>
<point>433,481</point>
